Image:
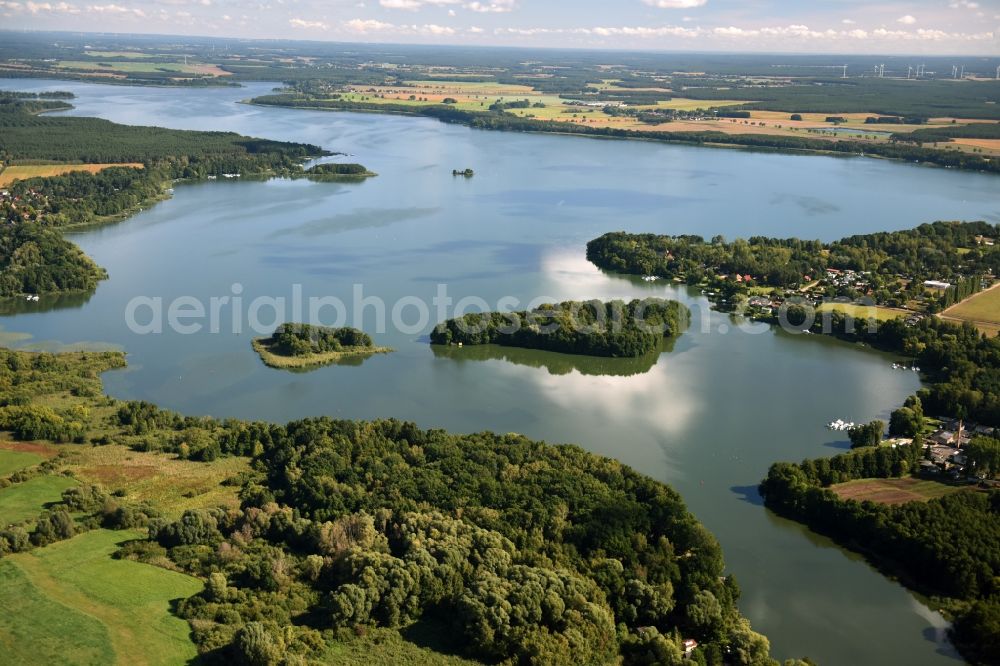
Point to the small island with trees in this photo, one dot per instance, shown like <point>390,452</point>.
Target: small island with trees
<point>592,328</point>
<point>468,173</point>
<point>306,345</point>
<point>334,171</point>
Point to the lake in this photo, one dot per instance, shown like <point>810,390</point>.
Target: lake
<point>707,416</point>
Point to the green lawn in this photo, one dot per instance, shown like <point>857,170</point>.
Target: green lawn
<point>12,461</point>
<point>984,306</point>
<point>864,311</point>
<point>24,500</point>
<point>34,629</point>
<point>129,601</point>
<point>894,491</point>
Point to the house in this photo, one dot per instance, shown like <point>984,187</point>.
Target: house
<point>942,437</point>
<point>937,285</point>
<point>689,645</point>
<point>942,455</point>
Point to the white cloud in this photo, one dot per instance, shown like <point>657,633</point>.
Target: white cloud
<point>964,4</point>
<point>432,29</point>
<point>848,21</point>
<point>494,7</point>
<point>369,26</point>
<point>402,4</point>
<point>302,24</point>
<point>364,26</point>
<point>906,20</point>
<point>489,7</point>
<point>36,7</point>
<point>109,9</point>
<point>646,32</point>
<point>676,4</point>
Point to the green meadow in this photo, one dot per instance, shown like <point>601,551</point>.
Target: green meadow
<point>77,605</point>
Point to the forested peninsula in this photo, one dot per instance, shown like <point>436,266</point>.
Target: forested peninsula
<point>592,328</point>
<point>347,532</point>
<point>68,171</point>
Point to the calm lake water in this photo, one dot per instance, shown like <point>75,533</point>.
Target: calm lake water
<point>708,416</point>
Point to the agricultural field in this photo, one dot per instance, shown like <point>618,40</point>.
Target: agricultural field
<point>877,312</point>
<point>75,604</point>
<point>143,66</point>
<point>22,501</point>
<point>118,54</point>
<point>893,491</point>
<point>982,309</point>
<point>22,172</point>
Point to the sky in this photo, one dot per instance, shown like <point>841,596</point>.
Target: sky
<point>799,26</point>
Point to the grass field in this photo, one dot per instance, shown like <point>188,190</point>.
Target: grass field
<point>983,310</point>
<point>118,610</point>
<point>863,311</point>
<point>34,629</point>
<point>22,172</point>
<point>12,461</point>
<point>173,485</point>
<point>22,501</point>
<point>893,491</point>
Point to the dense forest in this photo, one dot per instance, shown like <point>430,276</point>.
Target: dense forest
<point>593,328</point>
<point>948,546</point>
<point>521,552</point>
<point>36,260</point>
<point>80,139</point>
<point>498,120</point>
<point>304,339</point>
<point>338,171</point>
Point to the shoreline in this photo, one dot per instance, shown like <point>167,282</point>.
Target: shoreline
<point>640,135</point>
